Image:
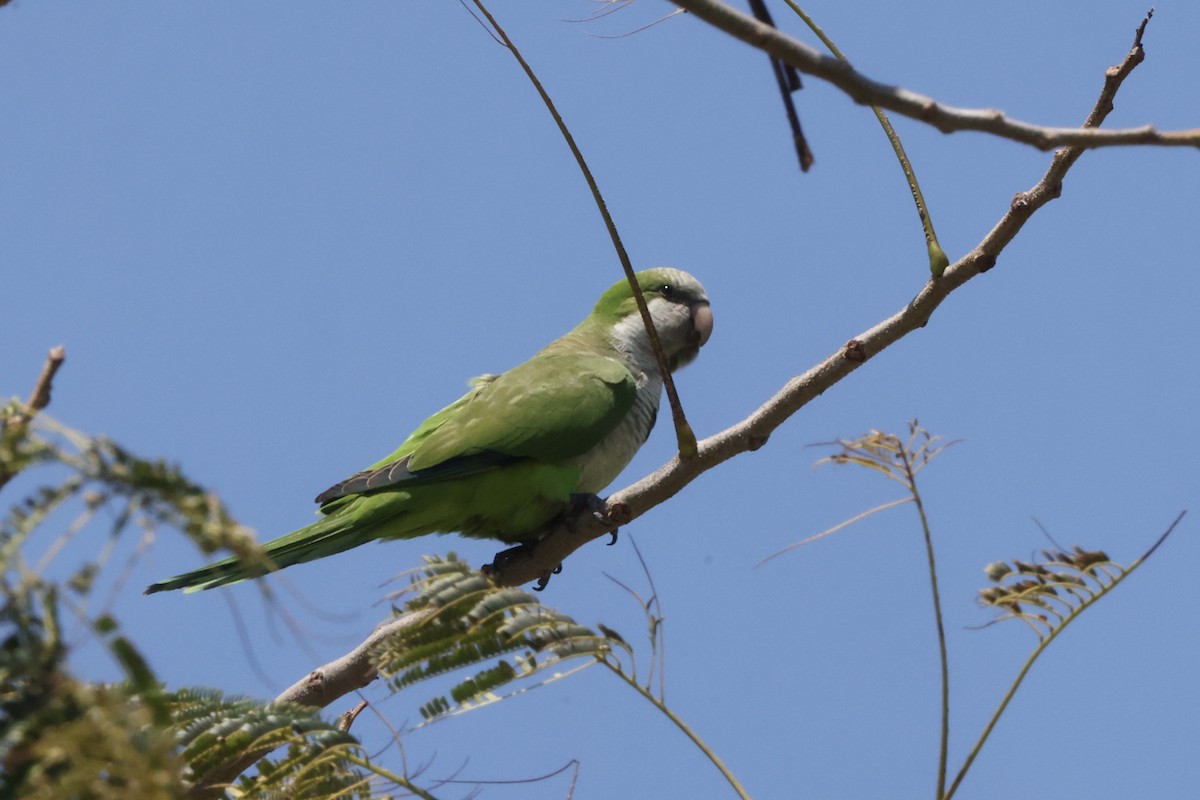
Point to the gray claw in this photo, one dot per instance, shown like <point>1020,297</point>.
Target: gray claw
<point>544,579</point>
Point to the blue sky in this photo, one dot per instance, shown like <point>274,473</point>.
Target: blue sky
<point>274,237</point>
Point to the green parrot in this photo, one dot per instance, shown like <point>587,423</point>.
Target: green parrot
<point>513,452</point>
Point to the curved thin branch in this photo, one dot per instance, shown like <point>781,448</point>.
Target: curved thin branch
<point>947,119</point>
<point>938,260</point>
<point>683,431</point>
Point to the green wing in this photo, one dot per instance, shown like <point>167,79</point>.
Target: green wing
<point>551,408</point>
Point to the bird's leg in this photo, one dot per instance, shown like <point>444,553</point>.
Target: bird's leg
<point>504,558</point>
<point>589,505</point>
<point>580,508</point>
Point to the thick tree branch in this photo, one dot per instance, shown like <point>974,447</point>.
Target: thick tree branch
<point>351,672</point>
<point>947,119</point>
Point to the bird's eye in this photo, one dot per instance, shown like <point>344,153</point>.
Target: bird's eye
<point>667,291</point>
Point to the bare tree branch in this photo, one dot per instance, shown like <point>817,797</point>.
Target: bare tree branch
<point>318,689</point>
<point>947,119</point>
<point>39,398</point>
<point>352,671</point>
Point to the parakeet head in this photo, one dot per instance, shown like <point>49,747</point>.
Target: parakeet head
<point>678,305</point>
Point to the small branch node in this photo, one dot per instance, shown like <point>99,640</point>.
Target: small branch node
<point>619,513</point>
<point>854,351</point>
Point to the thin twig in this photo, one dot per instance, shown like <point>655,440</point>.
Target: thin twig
<point>788,81</point>
<point>399,780</point>
<point>937,256</point>
<point>830,531</point>
<point>944,744</point>
<point>39,398</point>
<point>347,718</point>
<point>708,752</point>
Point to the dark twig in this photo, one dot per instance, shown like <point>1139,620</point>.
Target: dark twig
<point>788,80</point>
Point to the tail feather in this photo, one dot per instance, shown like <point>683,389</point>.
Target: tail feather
<point>333,534</point>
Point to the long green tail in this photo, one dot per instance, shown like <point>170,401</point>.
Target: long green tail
<point>335,533</point>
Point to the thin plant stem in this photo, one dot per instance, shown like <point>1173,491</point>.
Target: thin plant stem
<point>685,437</point>
<point>943,748</point>
<point>683,726</point>
<point>836,528</point>
<point>937,256</point>
<point>386,774</point>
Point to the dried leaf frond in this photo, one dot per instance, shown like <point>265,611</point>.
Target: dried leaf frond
<point>1048,592</point>
<point>887,453</point>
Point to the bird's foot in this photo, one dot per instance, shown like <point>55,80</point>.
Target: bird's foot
<point>544,579</point>
<point>504,559</point>
<point>581,509</point>
<point>585,506</point>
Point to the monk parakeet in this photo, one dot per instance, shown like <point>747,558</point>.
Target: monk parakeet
<point>509,455</point>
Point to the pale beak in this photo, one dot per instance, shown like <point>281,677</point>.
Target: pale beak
<point>702,325</point>
<point>702,321</point>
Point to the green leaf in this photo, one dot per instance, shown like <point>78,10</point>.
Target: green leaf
<point>471,622</point>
